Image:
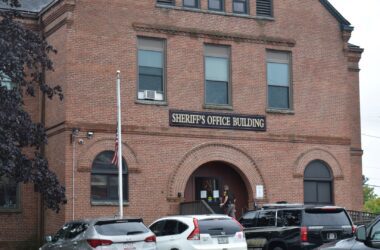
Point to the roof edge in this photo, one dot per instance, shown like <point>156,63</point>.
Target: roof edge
<point>345,25</point>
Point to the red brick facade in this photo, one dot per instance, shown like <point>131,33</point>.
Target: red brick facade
<point>96,38</point>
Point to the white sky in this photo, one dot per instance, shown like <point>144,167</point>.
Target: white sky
<point>364,15</point>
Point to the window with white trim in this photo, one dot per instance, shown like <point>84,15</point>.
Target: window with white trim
<point>279,80</point>
<point>151,69</point>
<point>217,75</point>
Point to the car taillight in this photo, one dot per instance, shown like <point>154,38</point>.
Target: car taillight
<point>96,242</point>
<point>303,234</point>
<point>150,239</point>
<point>354,227</point>
<point>195,234</point>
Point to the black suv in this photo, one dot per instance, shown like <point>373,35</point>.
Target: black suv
<point>285,227</point>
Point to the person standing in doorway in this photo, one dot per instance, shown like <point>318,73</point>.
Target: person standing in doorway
<point>228,202</point>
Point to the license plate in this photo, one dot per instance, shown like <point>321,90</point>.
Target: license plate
<point>331,236</point>
<point>129,246</point>
<point>223,240</point>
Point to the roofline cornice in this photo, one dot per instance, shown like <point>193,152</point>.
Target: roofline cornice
<point>345,25</point>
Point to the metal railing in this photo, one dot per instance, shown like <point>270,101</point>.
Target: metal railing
<point>361,218</point>
<point>195,207</point>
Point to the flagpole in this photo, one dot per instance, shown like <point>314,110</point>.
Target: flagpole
<point>120,161</point>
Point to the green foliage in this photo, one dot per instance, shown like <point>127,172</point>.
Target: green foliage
<point>372,206</point>
<point>369,193</point>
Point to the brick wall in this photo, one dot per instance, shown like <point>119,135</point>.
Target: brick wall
<point>99,37</point>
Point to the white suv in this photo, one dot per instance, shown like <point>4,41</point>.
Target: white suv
<point>192,232</point>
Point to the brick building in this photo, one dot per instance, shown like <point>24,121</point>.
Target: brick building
<point>259,95</point>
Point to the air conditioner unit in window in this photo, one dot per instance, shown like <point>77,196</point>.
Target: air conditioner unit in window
<point>150,94</point>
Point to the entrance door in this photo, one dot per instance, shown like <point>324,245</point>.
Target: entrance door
<point>208,189</point>
<point>207,182</point>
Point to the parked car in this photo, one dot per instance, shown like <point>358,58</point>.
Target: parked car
<point>366,238</point>
<point>206,232</point>
<point>105,234</point>
<point>286,226</point>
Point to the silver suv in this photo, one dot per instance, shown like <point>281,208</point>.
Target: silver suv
<point>105,233</point>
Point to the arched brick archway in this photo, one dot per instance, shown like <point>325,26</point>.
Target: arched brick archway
<point>209,152</point>
<point>317,154</point>
<point>104,144</point>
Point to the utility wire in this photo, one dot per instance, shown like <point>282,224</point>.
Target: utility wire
<point>372,136</point>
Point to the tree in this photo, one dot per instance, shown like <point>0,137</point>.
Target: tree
<point>24,59</point>
<point>368,191</point>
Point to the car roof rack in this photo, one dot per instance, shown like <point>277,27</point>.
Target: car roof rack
<point>282,205</point>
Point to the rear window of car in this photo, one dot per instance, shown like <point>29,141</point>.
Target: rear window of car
<point>217,226</point>
<point>120,227</point>
<point>325,217</point>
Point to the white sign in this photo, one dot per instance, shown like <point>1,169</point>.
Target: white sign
<point>216,193</point>
<point>259,191</point>
<point>203,194</point>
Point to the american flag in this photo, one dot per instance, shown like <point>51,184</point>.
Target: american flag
<point>115,155</point>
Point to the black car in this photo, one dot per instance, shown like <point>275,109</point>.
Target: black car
<point>289,227</point>
<point>366,238</point>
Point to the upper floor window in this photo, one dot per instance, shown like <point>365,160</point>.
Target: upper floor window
<point>217,74</point>
<point>6,82</point>
<point>278,79</point>
<point>264,8</point>
<point>191,3</point>
<point>217,5</point>
<point>9,194</point>
<point>104,178</point>
<point>151,67</point>
<point>169,2</point>
<point>240,6</point>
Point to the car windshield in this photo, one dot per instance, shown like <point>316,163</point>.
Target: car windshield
<point>325,217</point>
<point>219,225</point>
<point>122,227</point>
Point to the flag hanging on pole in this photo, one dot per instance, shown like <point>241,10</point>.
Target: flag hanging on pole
<point>115,155</point>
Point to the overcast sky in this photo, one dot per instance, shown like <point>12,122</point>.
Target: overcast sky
<point>364,15</point>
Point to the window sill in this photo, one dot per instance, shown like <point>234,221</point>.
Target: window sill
<point>108,203</point>
<point>218,107</point>
<point>214,12</point>
<point>151,102</point>
<point>280,111</point>
<point>10,210</point>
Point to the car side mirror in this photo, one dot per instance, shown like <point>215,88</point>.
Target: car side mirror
<point>48,239</point>
<point>361,234</point>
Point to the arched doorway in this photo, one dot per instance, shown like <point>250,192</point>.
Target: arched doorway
<point>207,182</point>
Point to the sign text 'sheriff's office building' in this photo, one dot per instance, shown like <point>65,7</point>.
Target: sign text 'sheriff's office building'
<point>261,95</point>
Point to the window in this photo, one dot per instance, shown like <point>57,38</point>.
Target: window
<point>217,5</point>
<point>191,3</point>
<point>264,8</point>
<point>289,218</point>
<point>9,194</point>
<point>168,2</point>
<point>151,65</point>
<point>266,219</point>
<point>217,74</point>
<point>240,6</point>
<point>317,184</point>
<point>6,82</point>
<point>104,178</point>
<point>375,232</point>
<point>278,78</point>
